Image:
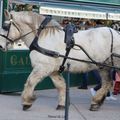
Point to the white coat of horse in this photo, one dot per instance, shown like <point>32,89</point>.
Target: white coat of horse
<point>97,42</point>
<point>3,40</point>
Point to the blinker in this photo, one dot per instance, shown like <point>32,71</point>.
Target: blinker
<point>6,26</point>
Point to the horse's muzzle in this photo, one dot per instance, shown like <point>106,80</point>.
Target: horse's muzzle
<point>3,49</point>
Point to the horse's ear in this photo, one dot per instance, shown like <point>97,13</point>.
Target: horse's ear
<point>7,14</point>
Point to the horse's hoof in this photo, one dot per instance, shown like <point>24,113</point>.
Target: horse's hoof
<point>25,107</point>
<point>60,107</point>
<point>94,107</point>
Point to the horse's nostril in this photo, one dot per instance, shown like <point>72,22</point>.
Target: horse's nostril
<point>1,48</point>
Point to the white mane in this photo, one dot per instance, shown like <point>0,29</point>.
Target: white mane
<point>31,18</point>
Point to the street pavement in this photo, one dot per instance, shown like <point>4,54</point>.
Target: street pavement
<point>44,107</point>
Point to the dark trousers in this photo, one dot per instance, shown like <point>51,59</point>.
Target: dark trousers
<point>84,80</point>
<point>98,79</point>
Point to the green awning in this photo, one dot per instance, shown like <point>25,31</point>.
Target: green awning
<point>94,9</point>
<point>109,2</point>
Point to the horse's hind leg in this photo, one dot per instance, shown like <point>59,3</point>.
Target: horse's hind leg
<point>34,78</point>
<point>59,83</point>
<point>99,98</point>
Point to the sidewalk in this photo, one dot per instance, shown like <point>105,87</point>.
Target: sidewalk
<point>44,107</point>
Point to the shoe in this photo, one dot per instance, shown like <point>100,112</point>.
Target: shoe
<point>93,92</point>
<point>82,87</point>
<point>111,98</point>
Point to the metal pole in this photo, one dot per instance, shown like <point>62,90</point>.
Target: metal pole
<point>67,100</point>
<point>1,12</point>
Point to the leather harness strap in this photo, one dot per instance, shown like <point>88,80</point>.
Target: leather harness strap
<point>112,62</point>
<point>69,30</point>
<point>41,27</point>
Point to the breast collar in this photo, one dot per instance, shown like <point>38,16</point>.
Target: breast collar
<point>34,45</point>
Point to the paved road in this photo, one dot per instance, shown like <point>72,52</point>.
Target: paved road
<point>44,107</point>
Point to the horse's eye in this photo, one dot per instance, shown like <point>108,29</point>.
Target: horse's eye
<point>6,26</point>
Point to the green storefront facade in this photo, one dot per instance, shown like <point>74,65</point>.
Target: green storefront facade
<point>15,65</point>
<point>15,68</point>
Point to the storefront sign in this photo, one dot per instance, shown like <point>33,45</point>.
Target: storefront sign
<point>72,13</point>
<point>15,60</point>
<point>78,13</point>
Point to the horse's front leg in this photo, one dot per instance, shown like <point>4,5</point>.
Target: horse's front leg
<point>99,98</point>
<point>34,78</point>
<point>59,83</point>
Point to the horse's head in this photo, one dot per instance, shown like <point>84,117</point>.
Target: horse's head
<point>24,25</point>
<point>20,25</point>
<point>11,26</point>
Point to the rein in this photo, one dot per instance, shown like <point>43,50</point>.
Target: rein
<point>10,40</point>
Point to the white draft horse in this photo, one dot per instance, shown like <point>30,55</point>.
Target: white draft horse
<point>99,43</point>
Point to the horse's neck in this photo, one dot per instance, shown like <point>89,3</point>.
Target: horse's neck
<point>45,34</point>
<point>29,24</point>
<point>27,41</point>
<point>27,34</point>
<point>35,25</point>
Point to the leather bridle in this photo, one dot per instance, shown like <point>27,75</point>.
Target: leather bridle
<point>7,27</point>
